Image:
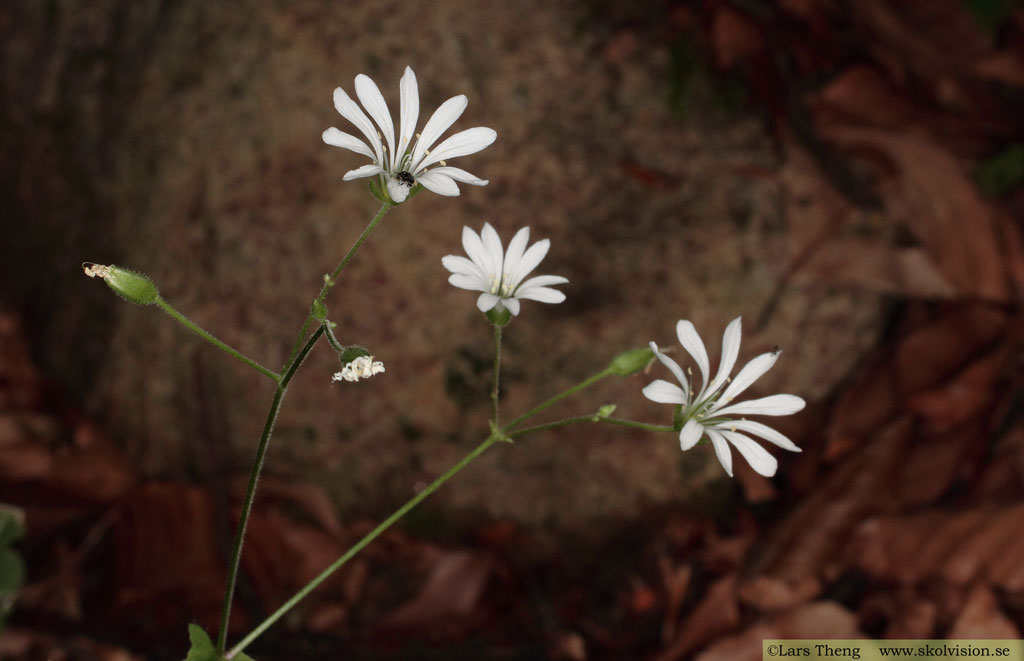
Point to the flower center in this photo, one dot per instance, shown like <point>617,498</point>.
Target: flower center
<point>501,287</point>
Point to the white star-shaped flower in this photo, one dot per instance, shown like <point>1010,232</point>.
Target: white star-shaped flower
<point>710,411</point>
<point>500,275</point>
<point>362,367</point>
<point>407,162</point>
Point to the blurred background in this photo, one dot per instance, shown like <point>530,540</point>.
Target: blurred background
<point>847,176</point>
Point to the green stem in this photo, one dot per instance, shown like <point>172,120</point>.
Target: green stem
<point>497,372</point>
<point>553,425</point>
<point>361,544</point>
<point>250,490</point>
<point>331,280</point>
<point>331,338</point>
<point>560,396</point>
<point>188,323</point>
<point>589,418</point>
<point>639,425</point>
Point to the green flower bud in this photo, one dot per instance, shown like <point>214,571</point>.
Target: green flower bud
<point>632,361</point>
<point>129,285</point>
<point>499,315</point>
<point>606,410</point>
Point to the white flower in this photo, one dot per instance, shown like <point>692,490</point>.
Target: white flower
<point>362,367</point>
<point>709,410</point>
<point>408,162</point>
<point>500,276</point>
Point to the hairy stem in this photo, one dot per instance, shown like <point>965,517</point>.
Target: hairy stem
<point>497,372</point>
<point>560,396</point>
<point>331,280</point>
<point>188,323</point>
<point>361,544</point>
<point>250,490</point>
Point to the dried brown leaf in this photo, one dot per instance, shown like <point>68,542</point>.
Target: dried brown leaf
<point>937,201</point>
<point>734,37</point>
<point>811,538</point>
<point>450,595</point>
<point>818,620</point>
<point>981,617</point>
<point>717,613</point>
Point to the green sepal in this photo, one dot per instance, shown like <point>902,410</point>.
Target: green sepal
<point>131,286</point>
<point>319,310</point>
<point>499,316</point>
<point>377,192</point>
<point>632,361</point>
<point>677,417</point>
<point>352,352</point>
<point>414,191</point>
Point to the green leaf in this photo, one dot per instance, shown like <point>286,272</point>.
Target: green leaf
<point>1002,172</point>
<point>990,14</point>
<point>202,647</point>
<point>12,571</point>
<point>12,524</point>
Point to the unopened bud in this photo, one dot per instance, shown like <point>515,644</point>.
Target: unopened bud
<point>632,361</point>
<point>606,410</point>
<point>129,285</point>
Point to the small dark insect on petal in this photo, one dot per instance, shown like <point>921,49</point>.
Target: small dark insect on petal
<point>405,177</point>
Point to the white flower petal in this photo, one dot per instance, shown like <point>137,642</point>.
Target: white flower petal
<point>543,281</point>
<point>436,182</point>
<point>691,341</point>
<point>673,367</point>
<point>759,459</point>
<point>492,246</point>
<point>514,253</point>
<point>486,302</point>
<point>474,247</point>
<point>361,172</point>
<point>459,175</point>
<point>529,261</point>
<point>772,405</point>
<point>721,450</point>
<point>663,392</point>
<point>333,136</point>
<point>462,143</point>
<point>730,349</point>
<point>409,114</point>
<point>762,430</point>
<point>751,372</point>
<point>371,98</point>
<point>461,265</point>
<point>542,294</point>
<point>352,112</point>
<point>690,434</point>
<point>443,117</point>
<point>488,264</point>
<point>465,281</point>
